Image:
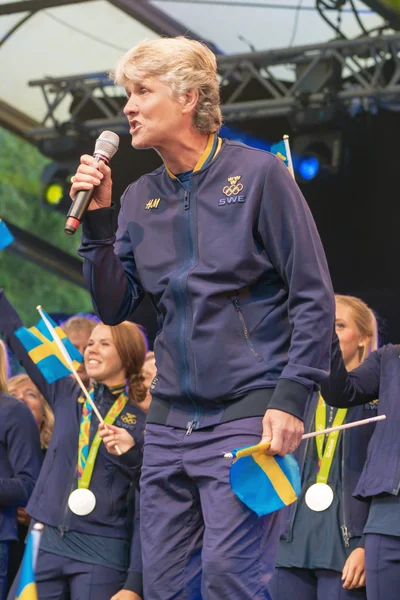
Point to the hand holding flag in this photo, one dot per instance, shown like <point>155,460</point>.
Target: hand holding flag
<point>267,483</point>
<point>54,354</point>
<point>64,352</point>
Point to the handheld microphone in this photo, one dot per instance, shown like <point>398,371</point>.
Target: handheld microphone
<point>105,148</point>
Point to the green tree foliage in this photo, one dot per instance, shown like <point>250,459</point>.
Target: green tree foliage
<point>25,283</point>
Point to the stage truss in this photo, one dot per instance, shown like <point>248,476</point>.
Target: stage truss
<point>340,73</point>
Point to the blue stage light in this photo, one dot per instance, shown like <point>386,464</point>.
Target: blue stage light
<point>308,167</point>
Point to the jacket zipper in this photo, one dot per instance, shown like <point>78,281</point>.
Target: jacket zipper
<point>111,510</point>
<point>186,200</point>
<point>181,296</point>
<point>343,527</point>
<point>63,527</point>
<point>245,330</point>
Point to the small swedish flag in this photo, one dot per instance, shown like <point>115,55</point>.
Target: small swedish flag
<point>279,150</point>
<point>43,351</point>
<point>265,483</point>
<point>26,589</point>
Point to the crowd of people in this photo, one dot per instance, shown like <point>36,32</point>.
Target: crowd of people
<point>253,345</point>
<point>92,555</point>
<point>321,553</point>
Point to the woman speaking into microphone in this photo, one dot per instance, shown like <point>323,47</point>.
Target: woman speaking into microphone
<point>81,492</point>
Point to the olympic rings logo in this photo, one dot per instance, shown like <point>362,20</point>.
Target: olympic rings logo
<point>234,188</point>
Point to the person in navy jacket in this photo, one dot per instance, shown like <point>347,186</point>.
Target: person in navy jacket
<point>223,243</point>
<point>88,555</point>
<point>378,378</point>
<point>20,463</point>
<point>23,388</point>
<point>322,551</point>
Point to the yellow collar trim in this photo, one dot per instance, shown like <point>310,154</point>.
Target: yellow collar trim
<point>212,148</point>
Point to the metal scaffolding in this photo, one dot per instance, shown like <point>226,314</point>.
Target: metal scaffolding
<point>336,73</point>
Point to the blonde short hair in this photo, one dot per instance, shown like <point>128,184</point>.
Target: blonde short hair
<point>184,65</point>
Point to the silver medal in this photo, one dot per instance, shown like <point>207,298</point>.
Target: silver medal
<point>319,497</point>
<point>81,502</point>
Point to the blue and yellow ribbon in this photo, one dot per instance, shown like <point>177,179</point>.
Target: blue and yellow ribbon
<point>87,456</point>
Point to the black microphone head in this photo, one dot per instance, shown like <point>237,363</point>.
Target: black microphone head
<point>106,144</point>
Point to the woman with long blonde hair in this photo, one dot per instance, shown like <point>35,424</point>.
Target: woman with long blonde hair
<point>321,553</point>
<point>81,494</point>
<point>22,387</point>
<point>20,461</point>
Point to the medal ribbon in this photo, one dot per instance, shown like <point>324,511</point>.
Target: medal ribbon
<point>87,457</point>
<point>326,458</point>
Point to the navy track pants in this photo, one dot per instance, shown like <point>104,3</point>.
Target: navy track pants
<point>61,578</point>
<point>199,541</point>
<point>311,584</point>
<point>382,565</point>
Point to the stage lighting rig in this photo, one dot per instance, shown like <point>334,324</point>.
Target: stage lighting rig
<point>317,155</point>
<point>55,185</point>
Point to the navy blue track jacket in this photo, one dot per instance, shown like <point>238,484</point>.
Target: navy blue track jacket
<point>112,475</point>
<point>238,277</point>
<point>20,461</point>
<point>377,378</point>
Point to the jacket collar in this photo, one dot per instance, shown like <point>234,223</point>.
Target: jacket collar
<point>103,391</point>
<point>213,146</point>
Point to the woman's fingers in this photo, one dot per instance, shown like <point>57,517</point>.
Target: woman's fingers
<point>105,428</point>
<point>90,173</point>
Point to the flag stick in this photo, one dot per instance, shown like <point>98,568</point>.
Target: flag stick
<point>288,154</point>
<point>26,576</point>
<point>263,446</point>
<point>36,533</point>
<point>306,436</point>
<point>67,357</point>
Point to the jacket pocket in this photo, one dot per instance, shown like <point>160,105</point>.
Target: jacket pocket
<point>245,329</point>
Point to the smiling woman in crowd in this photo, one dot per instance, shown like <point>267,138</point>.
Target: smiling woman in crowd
<point>85,547</point>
